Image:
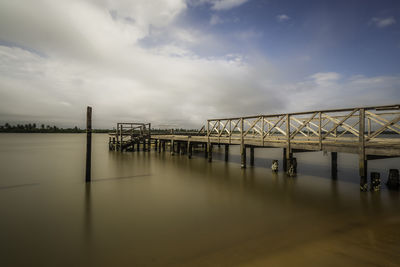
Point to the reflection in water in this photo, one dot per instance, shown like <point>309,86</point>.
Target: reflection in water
<point>154,209</point>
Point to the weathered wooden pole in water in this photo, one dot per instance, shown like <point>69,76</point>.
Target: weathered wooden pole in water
<point>251,155</point>
<point>362,157</point>
<point>189,148</point>
<point>88,143</point>
<point>242,146</point>
<point>289,153</point>
<point>334,165</point>
<point>226,152</point>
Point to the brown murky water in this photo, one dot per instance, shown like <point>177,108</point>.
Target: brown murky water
<point>150,209</point>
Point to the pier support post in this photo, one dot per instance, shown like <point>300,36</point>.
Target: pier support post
<point>362,161</point>
<point>333,165</point>
<point>178,149</point>
<point>88,144</point>
<point>172,149</point>
<point>149,140</point>
<point>242,146</point>
<point>243,156</point>
<point>205,150</point>
<point>284,165</point>
<point>226,152</point>
<point>209,149</point>
<point>159,146</point>
<point>155,144</point>
<point>189,149</point>
<point>144,144</point>
<point>252,156</point>
<point>163,145</point>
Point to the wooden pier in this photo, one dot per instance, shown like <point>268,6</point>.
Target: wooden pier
<point>370,132</point>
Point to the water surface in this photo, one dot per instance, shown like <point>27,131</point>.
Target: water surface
<point>151,209</point>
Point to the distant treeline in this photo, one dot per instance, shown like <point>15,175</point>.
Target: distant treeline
<point>42,128</point>
<point>34,128</point>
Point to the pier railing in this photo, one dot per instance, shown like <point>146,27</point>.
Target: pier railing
<point>364,125</point>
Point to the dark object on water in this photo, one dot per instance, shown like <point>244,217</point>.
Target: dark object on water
<point>292,167</point>
<point>375,181</point>
<point>275,165</point>
<point>393,179</point>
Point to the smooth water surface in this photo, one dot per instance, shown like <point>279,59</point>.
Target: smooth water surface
<point>151,209</point>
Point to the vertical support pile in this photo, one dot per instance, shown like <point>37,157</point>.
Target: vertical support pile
<point>362,157</point>
<point>189,148</point>
<point>334,165</point>
<point>252,156</point>
<point>242,146</point>
<point>88,143</point>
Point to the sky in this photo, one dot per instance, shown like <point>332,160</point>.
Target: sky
<point>176,63</point>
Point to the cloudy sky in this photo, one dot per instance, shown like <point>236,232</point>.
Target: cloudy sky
<point>175,63</point>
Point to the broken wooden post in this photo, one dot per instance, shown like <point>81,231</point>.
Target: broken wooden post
<point>226,152</point>
<point>333,165</point>
<point>251,155</point>
<point>88,144</point>
<point>292,170</point>
<point>363,163</point>
<point>393,179</point>
<point>275,165</point>
<point>375,181</point>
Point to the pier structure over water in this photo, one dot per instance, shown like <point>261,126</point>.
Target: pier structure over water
<point>129,135</point>
<point>370,132</point>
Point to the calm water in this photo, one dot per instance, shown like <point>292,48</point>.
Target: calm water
<point>150,209</point>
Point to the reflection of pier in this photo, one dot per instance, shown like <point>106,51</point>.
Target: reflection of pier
<point>370,132</point>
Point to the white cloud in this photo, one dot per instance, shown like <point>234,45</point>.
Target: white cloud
<point>325,78</point>
<point>282,17</point>
<point>383,22</point>
<point>215,19</point>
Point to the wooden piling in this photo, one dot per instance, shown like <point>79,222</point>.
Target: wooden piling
<point>242,146</point>
<point>333,165</point>
<point>209,149</point>
<point>363,164</point>
<point>252,156</point>
<point>289,153</point>
<point>88,144</point>
<point>149,138</point>
<point>120,137</point>
<point>178,148</point>
<point>172,147</point>
<point>189,149</point>
<point>284,164</point>
<point>205,150</point>
<point>243,157</point>
<point>226,152</point>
